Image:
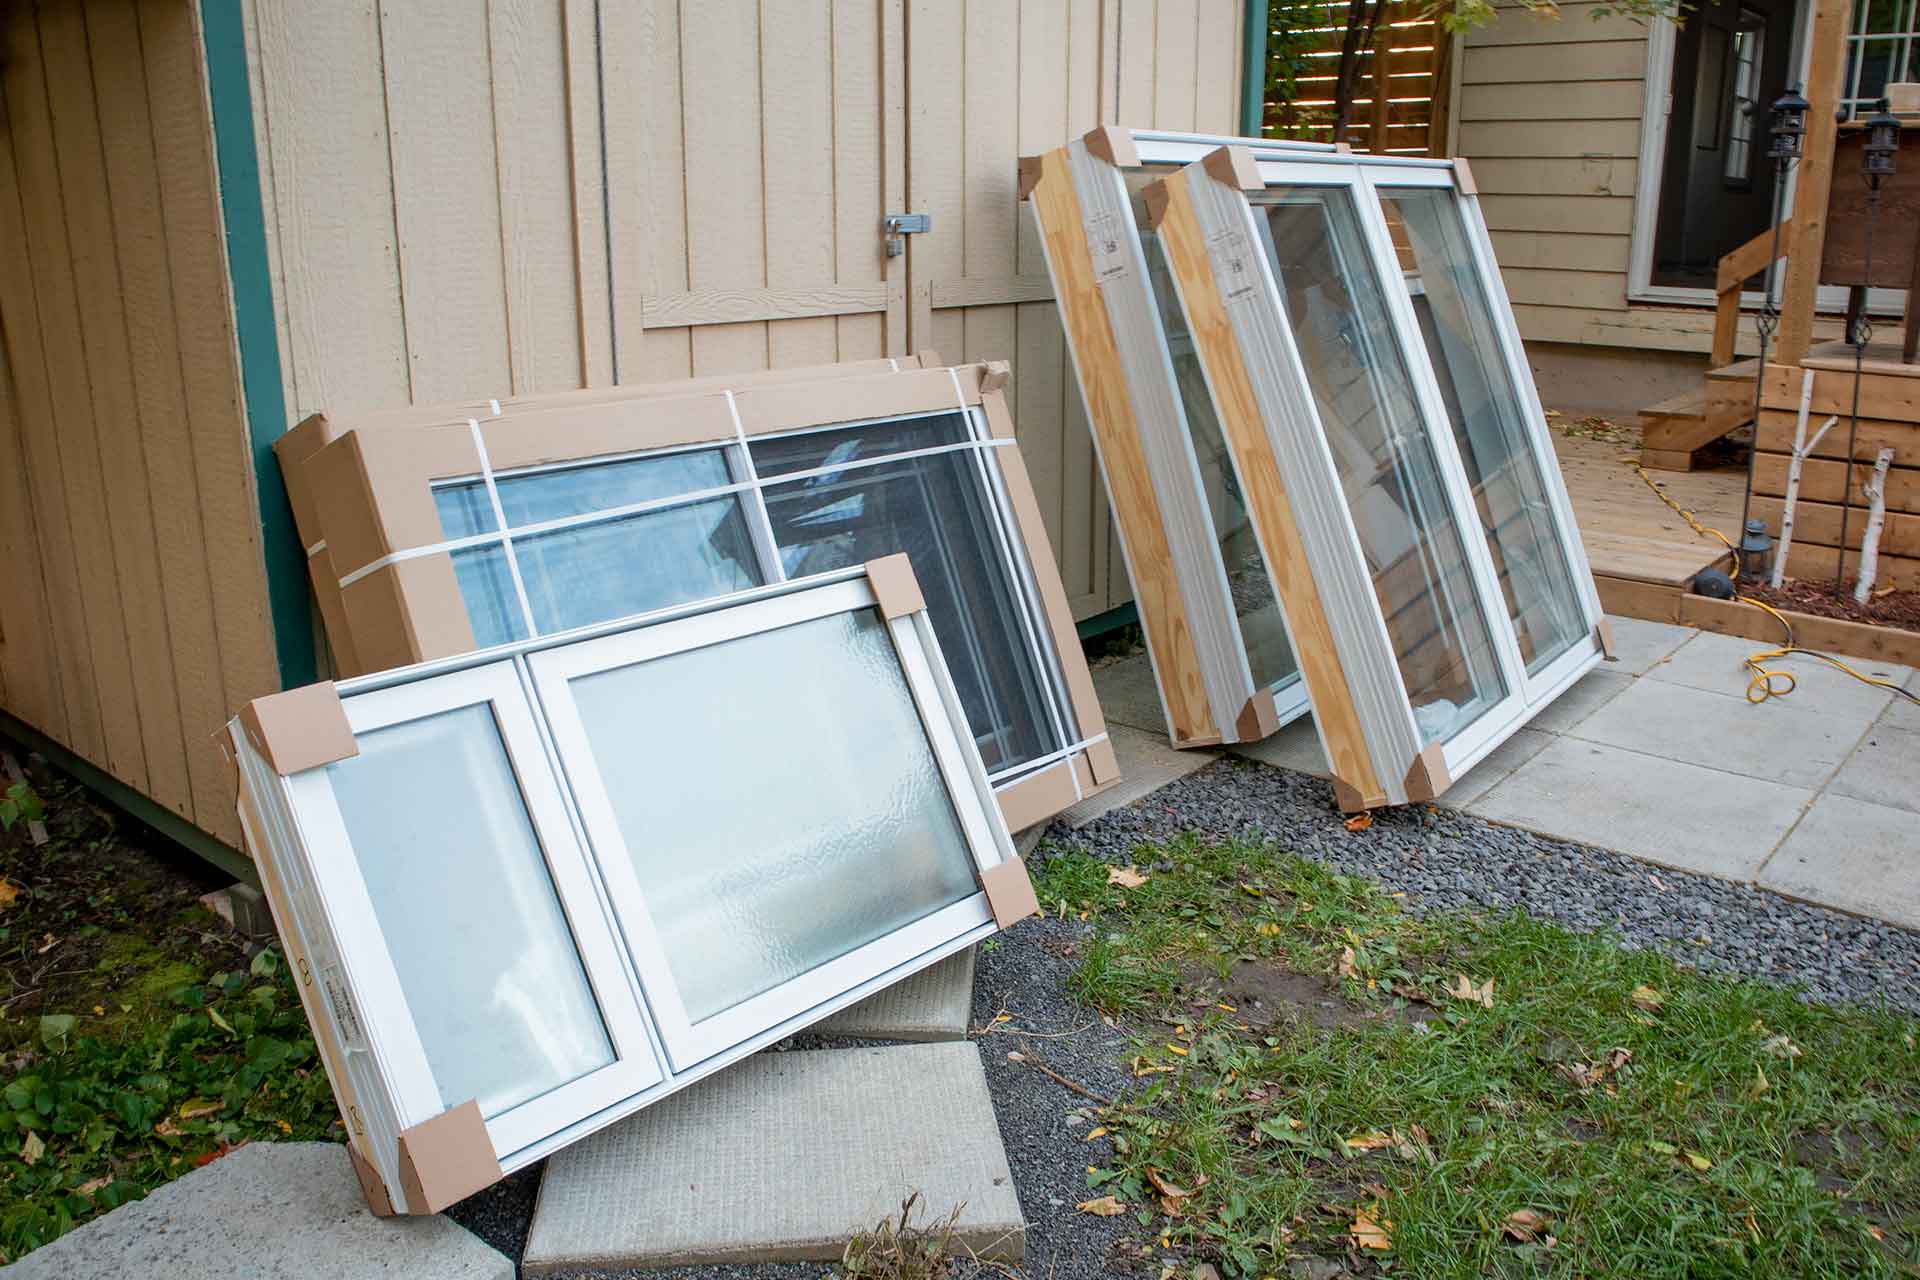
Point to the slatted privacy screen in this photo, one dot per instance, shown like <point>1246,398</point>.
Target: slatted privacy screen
<point>524,900</point>
<point>1225,669</point>
<point>451,536</point>
<point>1362,359</point>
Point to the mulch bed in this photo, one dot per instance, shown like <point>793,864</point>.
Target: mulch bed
<point>1899,608</point>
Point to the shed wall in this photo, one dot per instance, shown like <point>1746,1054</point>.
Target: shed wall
<point>132,604</point>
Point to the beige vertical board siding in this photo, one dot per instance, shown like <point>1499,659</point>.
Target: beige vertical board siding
<point>1554,108</point>
<point>723,107</point>
<point>74,717</point>
<point>587,171</point>
<point>30,679</point>
<point>527,48</point>
<point>446,202</point>
<point>862,84</point>
<point>180,118</point>
<point>796,159</point>
<point>333,210</point>
<point>1175,77</point>
<point>55,313</point>
<point>639,86</point>
<point>159,393</point>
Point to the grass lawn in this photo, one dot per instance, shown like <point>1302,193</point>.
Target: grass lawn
<point>139,1040</point>
<point>1322,1079</point>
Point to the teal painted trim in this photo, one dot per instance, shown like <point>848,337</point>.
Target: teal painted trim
<point>1253,71</point>
<point>1100,624</point>
<point>246,227</point>
<point>121,796</point>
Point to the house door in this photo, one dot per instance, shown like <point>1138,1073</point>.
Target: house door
<point>1730,61</point>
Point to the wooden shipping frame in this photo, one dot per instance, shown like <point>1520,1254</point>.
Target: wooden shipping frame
<point>1260,391</point>
<point>370,501</point>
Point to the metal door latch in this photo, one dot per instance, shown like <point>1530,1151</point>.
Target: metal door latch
<point>901,225</point>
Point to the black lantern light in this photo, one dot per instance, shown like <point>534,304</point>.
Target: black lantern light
<point>1883,143</point>
<point>1789,125</point>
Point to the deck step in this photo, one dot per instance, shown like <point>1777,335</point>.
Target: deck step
<point>1673,429</point>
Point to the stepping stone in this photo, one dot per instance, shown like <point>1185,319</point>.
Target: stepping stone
<point>784,1158</point>
<point>268,1210</point>
<point>933,1004</point>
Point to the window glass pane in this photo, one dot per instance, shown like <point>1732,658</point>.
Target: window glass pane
<point>937,510</point>
<point>533,496</point>
<point>1484,406</point>
<point>779,799</point>
<point>1263,632</point>
<point>1388,472</point>
<point>469,913</point>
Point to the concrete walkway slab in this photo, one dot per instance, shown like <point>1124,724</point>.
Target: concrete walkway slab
<point>1778,740</point>
<point>1593,691</point>
<point>1901,713</point>
<point>1499,763</point>
<point>1129,696</point>
<point>1714,663</point>
<point>1295,746</point>
<point>1854,855</point>
<point>933,1004</point>
<point>1885,769</point>
<point>1147,763</point>
<point>1639,644</point>
<point>1665,811</point>
<point>268,1210</point>
<point>784,1157</point>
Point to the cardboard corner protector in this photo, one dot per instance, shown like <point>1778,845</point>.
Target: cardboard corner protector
<point>1348,796</point>
<point>1027,174</point>
<point>1009,892</point>
<point>371,1185</point>
<point>929,358</point>
<point>1258,719</point>
<point>1155,196</point>
<point>299,729</point>
<point>1463,177</point>
<point>1427,776</point>
<point>1233,166</point>
<point>1114,145</point>
<point>994,375</point>
<point>1102,763</point>
<point>895,588</point>
<point>1603,634</point>
<point>446,1159</point>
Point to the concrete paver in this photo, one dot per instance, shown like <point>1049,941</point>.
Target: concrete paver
<point>1639,644</point>
<point>268,1210</point>
<point>1713,663</point>
<point>1593,691</point>
<point>1778,740</point>
<point>1523,746</point>
<point>1129,696</point>
<point>933,1004</point>
<point>1294,746</point>
<point>1902,714</point>
<point>1884,769</point>
<point>1855,855</point>
<point>1147,763</point>
<point>784,1157</point>
<point>1665,811</point>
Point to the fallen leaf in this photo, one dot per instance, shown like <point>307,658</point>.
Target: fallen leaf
<point>1125,877</point>
<point>32,1149</point>
<point>1645,997</point>
<point>1876,1233</point>
<point>214,1016</point>
<point>1699,1162</point>
<point>1267,929</point>
<point>1099,1131</point>
<point>1371,1141</point>
<point>1523,1225</point>
<point>1360,822</point>
<point>1663,1149</point>
<point>167,1129</point>
<point>1464,989</point>
<point>1760,1084</point>
<point>1254,891</point>
<point>8,892</point>
<point>1104,1207</point>
<point>201,1107</point>
<point>1781,1046</point>
<point>99,1011</point>
<point>1205,1271</point>
<point>1141,1067</point>
<point>1369,1232</point>
<point>90,1186</point>
<point>1346,968</point>
<point>1171,1190</point>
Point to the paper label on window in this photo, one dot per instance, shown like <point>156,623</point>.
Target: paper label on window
<point>1233,265</point>
<point>345,1016</point>
<point>1106,241</point>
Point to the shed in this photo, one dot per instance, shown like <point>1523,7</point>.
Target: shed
<point>232,213</point>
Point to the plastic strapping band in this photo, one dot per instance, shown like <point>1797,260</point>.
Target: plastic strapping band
<point>495,406</point>
<point>753,479</point>
<point>1040,764</point>
<point>316,548</point>
<point>500,522</point>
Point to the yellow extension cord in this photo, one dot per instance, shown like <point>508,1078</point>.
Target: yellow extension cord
<point>1760,679</point>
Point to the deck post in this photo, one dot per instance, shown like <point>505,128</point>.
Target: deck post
<point>1826,79</point>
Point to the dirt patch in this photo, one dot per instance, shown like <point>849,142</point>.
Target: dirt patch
<point>1900,608</point>
<point>1263,993</point>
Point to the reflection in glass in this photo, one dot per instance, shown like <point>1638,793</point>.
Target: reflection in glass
<point>776,820</point>
<point>1489,424</point>
<point>468,911</point>
<point>1388,470</point>
<point>937,510</point>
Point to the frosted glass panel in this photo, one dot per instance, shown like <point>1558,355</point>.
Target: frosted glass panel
<point>1389,472</point>
<point>469,913</point>
<point>779,799</point>
<point>1485,410</point>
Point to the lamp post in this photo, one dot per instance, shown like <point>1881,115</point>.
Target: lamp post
<point>1876,166</point>
<point>1788,134</point>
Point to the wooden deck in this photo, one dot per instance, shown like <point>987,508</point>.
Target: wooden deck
<point>1643,554</point>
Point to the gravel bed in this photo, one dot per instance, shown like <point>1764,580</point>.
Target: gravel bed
<point>1443,858</point>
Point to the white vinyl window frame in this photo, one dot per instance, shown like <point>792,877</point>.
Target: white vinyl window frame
<point>371,976</point>
<point>749,490</point>
<point>305,833</point>
<point>1363,177</point>
<point>689,1042</point>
